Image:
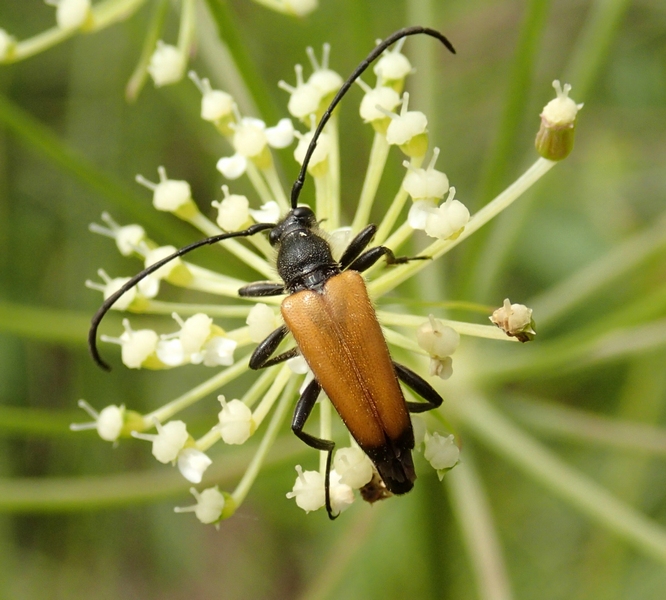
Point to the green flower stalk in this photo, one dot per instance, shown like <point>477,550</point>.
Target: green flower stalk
<point>201,335</point>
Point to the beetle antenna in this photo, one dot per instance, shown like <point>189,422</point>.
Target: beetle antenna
<point>378,49</point>
<point>109,302</point>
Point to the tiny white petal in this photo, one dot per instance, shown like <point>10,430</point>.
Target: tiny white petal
<point>321,150</point>
<point>298,365</point>
<point>236,422</point>
<point>441,452</point>
<point>137,346</point>
<point>419,212</point>
<point>562,110</point>
<point>261,321</point>
<point>282,135</point>
<point>268,213</point>
<point>392,66</point>
<point>195,332</point>
<point>168,442</point>
<point>71,14</point>
<point>233,212</point>
<point>250,137</point>
<point>353,466</point>
<point>232,167</point>
<point>216,105</point>
<point>341,494</point>
<point>171,352</point>
<point>171,194</point>
<point>219,351</point>
<point>383,96</point>
<point>192,463</point>
<point>405,127</point>
<point>437,339</point>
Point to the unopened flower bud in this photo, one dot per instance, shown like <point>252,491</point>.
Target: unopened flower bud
<point>304,99</point>
<point>168,442</point>
<point>441,452</point>
<point>236,422</point>
<point>170,195</point>
<point>353,466</point>
<point>393,67</point>
<point>308,491</point>
<point>448,220</point>
<point>192,464</point>
<point>262,321</point>
<point>167,64</point>
<point>326,80</point>
<point>211,507</point>
<point>318,164</point>
<point>408,130</point>
<point>233,212</point>
<point>341,494</point>
<point>267,213</point>
<point>558,121</point>
<point>427,183</point>
<point>515,320</point>
<point>376,103</point>
<point>219,351</point>
<point>109,422</point>
<point>216,105</point>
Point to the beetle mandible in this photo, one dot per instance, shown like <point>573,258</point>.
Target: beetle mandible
<point>329,313</point>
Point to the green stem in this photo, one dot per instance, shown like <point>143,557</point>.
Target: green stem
<point>104,13</point>
<point>45,142</point>
<point>583,494</point>
<point>475,520</point>
<point>376,163</point>
<point>562,422</point>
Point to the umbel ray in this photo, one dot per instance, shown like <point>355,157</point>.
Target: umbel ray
<point>328,311</point>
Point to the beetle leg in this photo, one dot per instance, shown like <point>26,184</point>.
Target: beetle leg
<point>261,288</point>
<point>302,411</point>
<point>421,387</point>
<point>370,257</point>
<point>261,357</point>
<point>357,245</point>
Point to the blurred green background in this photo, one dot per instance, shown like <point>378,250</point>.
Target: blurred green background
<point>79,518</point>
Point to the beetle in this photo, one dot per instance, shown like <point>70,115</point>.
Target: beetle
<point>329,313</point>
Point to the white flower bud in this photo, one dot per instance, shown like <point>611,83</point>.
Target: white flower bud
<point>441,452</point>
<point>157,254</point>
<point>304,99</point>
<point>171,353</point>
<point>249,138</point>
<point>562,110</point>
<point>232,167</point>
<point>281,135</point>
<point>129,237</point>
<point>209,506</point>
<point>71,14</point>
<point>441,367</point>
<point>308,491</point>
<point>268,213</point>
<point>169,441</point>
<point>194,331</point>
<point>236,422</point>
<point>111,286</point>
<point>136,346</point>
<point>339,239</point>
<point>219,351</point>
<point>167,64</point>
<point>353,466</point>
<point>109,421</point>
<point>262,321</point>
<point>392,66</point>
<point>233,212</point>
<point>215,104</point>
<point>342,495</point>
<point>385,97</point>
<point>515,320</point>
<point>407,125</point>
<point>448,220</point>
<point>298,365</point>
<point>425,183</point>
<point>169,194</point>
<point>192,463</point>
<point>320,153</point>
<point>419,212</point>
<point>437,339</point>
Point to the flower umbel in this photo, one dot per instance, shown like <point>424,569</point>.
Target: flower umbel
<point>200,339</point>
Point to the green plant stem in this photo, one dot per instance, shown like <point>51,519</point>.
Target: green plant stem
<point>472,510</point>
<point>494,430</point>
<point>73,494</point>
<point>38,137</point>
<point>593,44</point>
<point>563,422</point>
<point>230,32</point>
<point>562,298</point>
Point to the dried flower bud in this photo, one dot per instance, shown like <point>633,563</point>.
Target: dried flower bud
<point>515,320</point>
<point>558,121</point>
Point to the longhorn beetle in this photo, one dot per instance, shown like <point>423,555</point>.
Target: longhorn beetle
<point>328,311</point>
